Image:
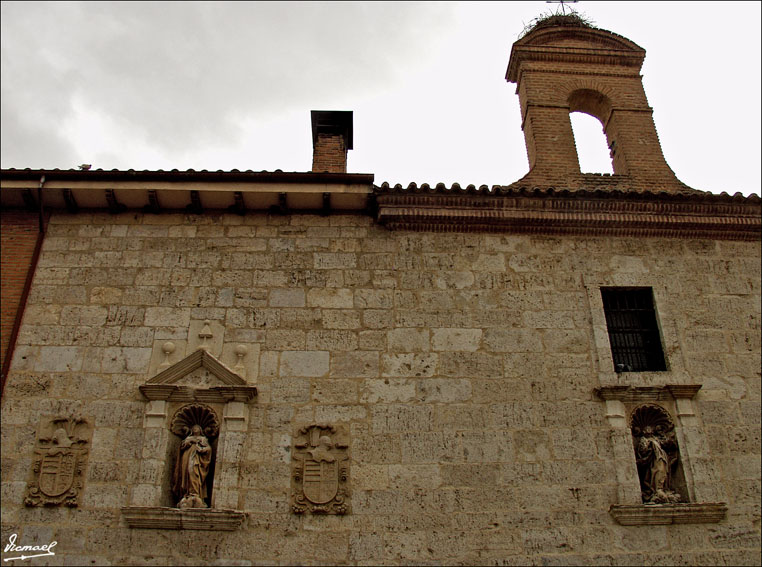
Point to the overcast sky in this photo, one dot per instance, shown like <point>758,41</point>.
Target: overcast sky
<point>230,85</point>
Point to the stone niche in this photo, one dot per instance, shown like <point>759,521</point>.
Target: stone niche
<point>198,398</point>
<point>662,475</point>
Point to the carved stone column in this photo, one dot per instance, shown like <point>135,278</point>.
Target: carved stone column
<point>628,488</point>
<point>702,474</point>
<point>148,491</point>
<point>229,453</point>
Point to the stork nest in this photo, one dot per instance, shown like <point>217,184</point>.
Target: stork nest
<point>572,19</point>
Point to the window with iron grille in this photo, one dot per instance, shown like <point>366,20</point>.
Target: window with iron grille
<point>633,331</point>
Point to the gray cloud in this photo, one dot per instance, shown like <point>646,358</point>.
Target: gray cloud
<point>230,85</point>
<point>176,73</point>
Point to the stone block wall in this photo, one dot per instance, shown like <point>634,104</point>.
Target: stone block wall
<point>463,367</point>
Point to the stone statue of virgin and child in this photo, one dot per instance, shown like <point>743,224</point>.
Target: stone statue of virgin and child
<point>191,470</point>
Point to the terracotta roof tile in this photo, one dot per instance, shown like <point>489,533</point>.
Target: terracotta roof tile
<point>594,191</point>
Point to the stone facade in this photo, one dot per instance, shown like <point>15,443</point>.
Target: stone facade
<point>450,387</point>
<point>463,365</point>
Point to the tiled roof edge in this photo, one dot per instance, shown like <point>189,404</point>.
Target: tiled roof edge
<point>187,175</point>
<point>525,190</point>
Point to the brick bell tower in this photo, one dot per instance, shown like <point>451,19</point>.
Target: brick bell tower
<point>563,65</point>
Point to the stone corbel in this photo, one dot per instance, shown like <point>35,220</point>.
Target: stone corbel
<point>162,518</point>
<point>661,514</point>
<point>639,394</point>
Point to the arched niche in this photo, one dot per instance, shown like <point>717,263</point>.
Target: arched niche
<point>657,455</point>
<point>200,389</point>
<point>637,412</point>
<point>182,425</point>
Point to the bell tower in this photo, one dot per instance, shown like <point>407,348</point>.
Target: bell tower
<point>563,65</point>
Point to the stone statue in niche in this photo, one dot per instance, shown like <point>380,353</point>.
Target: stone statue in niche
<point>191,470</point>
<point>192,476</point>
<point>59,460</point>
<point>656,453</point>
<point>320,466</point>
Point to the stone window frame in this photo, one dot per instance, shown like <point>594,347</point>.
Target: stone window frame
<point>674,391</point>
<point>675,372</point>
<point>163,395</point>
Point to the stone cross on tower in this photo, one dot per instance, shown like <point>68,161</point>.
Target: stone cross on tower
<point>563,4</point>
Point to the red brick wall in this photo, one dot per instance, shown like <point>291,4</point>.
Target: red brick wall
<point>330,154</point>
<point>19,232</point>
<point>607,89</point>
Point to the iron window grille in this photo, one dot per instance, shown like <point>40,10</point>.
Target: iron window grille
<point>633,331</point>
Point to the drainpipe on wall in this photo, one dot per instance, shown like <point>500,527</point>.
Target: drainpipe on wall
<point>39,200</point>
<point>25,291</point>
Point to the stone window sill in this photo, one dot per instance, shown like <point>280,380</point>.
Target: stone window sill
<point>659,514</point>
<point>160,518</point>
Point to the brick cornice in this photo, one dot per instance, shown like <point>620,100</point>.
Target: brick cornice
<point>646,215</point>
<point>576,55</point>
<point>542,44</point>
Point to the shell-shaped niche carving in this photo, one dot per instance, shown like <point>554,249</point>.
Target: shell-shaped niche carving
<point>650,416</point>
<point>195,414</point>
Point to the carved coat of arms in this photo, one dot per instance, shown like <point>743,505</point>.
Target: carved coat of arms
<point>320,471</point>
<point>60,456</point>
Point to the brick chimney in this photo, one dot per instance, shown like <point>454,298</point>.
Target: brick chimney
<point>331,139</point>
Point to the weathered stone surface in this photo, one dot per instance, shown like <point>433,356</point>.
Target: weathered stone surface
<point>287,298</point>
<point>304,363</point>
<point>456,339</point>
<point>463,367</point>
<point>408,365</point>
<point>355,364</point>
<point>394,418</point>
<point>330,298</point>
<point>408,340</point>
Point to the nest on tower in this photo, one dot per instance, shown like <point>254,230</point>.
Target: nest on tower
<point>573,19</point>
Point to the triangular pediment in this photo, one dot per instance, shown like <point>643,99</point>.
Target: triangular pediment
<point>193,379</point>
<point>187,367</point>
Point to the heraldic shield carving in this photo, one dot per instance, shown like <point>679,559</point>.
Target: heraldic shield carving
<point>320,471</point>
<point>59,460</point>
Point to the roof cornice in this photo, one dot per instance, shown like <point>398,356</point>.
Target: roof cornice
<point>591,213</point>
<point>189,190</point>
<point>188,175</point>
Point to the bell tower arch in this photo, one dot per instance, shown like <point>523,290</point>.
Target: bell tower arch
<point>572,67</point>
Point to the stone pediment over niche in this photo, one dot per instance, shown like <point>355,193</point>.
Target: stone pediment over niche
<point>193,378</point>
